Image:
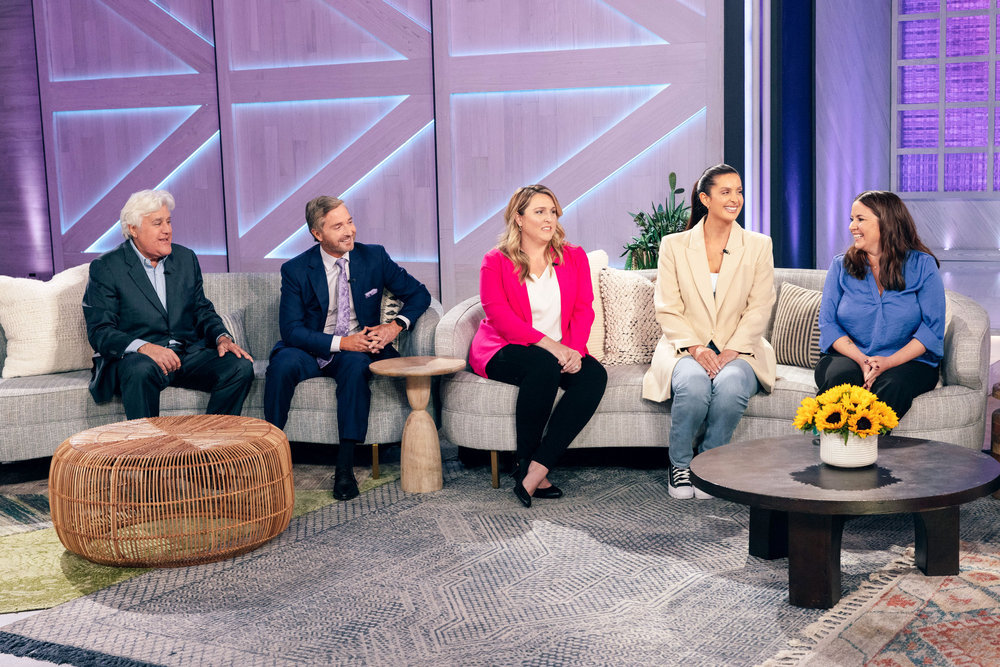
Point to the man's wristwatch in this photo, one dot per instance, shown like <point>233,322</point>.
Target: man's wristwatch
<point>401,322</point>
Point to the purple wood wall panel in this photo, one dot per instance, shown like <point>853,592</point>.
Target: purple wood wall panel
<point>327,98</point>
<point>246,109</point>
<point>25,245</point>
<point>599,100</point>
<point>129,101</point>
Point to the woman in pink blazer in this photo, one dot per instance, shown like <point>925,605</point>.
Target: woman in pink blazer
<point>538,298</point>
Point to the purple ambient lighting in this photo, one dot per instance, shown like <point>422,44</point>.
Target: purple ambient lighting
<point>918,128</point>
<point>919,6</point>
<point>963,5</point>
<point>965,172</point>
<point>918,173</point>
<point>918,84</point>
<point>919,39</point>
<point>967,36</point>
<point>965,127</point>
<point>966,82</point>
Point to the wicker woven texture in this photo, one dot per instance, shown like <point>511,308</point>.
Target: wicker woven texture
<point>171,491</point>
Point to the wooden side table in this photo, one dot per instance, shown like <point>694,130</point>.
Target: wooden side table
<point>420,461</point>
<point>995,431</point>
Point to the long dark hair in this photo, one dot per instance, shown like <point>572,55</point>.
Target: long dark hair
<point>704,184</point>
<point>897,236</point>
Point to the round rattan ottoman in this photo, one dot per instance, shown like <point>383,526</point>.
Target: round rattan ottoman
<point>171,491</point>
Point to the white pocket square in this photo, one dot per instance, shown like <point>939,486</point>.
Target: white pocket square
<point>371,293</point>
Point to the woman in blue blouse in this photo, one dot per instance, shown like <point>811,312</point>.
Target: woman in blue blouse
<point>881,319</point>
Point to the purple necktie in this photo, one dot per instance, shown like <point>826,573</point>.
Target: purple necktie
<point>343,301</point>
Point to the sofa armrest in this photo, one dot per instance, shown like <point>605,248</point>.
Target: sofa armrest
<point>457,328</point>
<point>966,359</point>
<point>419,340</point>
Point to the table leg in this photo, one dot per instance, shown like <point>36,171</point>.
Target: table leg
<point>936,541</point>
<point>814,559</point>
<point>768,533</point>
<point>995,432</point>
<point>420,460</point>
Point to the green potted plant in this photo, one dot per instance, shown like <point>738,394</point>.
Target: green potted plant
<point>667,218</point>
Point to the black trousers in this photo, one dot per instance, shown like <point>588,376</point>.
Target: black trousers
<point>228,378</point>
<point>896,387</point>
<point>538,375</point>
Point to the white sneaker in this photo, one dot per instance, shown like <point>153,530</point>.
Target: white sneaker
<point>679,483</point>
<point>701,495</point>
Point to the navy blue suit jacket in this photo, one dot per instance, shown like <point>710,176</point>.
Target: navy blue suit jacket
<point>305,295</point>
<point>121,305</point>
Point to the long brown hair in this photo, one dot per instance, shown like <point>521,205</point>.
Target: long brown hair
<point>509,242</point>
<point>897,236</point>
<point>704,184</point>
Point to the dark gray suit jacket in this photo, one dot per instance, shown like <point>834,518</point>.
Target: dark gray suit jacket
<point>121,305</point>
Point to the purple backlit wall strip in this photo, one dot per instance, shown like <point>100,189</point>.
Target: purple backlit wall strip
<point>953,43</point>
<point>246,109</point>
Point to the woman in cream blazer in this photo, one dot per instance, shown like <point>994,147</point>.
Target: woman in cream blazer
<point>713,298</point>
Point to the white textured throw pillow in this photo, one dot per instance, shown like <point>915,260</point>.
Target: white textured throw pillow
<point>598,260</point>
<point>43,323</point>
<point>630,328</point>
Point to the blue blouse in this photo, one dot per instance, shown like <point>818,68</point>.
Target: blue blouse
<point>881,324</point>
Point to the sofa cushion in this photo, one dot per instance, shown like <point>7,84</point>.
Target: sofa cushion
<point>598,260</point>
<point>795,336</point>
<point>630,328</point>
<point>44,325</point>
<point>235,325</point>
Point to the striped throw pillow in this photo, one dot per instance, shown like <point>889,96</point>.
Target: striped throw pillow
<point>795,335</point>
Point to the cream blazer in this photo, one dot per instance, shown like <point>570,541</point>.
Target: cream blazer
<point>689,314</point>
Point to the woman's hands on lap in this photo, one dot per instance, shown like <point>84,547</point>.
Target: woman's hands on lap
<point>710,361</point>
<point>568,358</point>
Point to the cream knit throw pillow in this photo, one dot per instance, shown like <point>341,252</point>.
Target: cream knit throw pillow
<point>43,323</point>
<point>630,328</point>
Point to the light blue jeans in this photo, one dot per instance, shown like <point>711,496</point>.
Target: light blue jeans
<point>697,400</point>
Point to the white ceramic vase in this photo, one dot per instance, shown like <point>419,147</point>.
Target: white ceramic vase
<point>857,453</point>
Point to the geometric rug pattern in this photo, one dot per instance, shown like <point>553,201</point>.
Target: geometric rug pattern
<point>36,571</point>
<point>615,572</point>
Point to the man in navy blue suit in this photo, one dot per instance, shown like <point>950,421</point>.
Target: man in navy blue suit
<point>151,324</point>
<point>331,298</point>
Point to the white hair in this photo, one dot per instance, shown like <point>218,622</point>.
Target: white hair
<point>141,204</point>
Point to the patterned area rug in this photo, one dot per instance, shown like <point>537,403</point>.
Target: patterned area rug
<point>616,572</point>
<point>914,620</point>
<point>36,571</point>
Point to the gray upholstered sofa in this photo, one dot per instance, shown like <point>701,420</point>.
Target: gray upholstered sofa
<point>479,413</point>
<point>38,412</point>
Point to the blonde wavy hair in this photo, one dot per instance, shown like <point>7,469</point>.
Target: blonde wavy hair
<point>509,242</point>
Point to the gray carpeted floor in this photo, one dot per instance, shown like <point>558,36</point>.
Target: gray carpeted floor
<point>616,572</point>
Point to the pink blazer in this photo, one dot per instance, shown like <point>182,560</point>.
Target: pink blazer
<point>508,311</point>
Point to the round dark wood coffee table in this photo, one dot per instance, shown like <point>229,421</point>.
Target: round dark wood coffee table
<point>798,504</point>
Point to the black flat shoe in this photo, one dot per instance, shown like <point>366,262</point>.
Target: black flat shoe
<point>345,486</point>
<point>522,494</point>
<point>548,492</point>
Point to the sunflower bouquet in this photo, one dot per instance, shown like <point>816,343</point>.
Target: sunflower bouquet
<point>845,409</point>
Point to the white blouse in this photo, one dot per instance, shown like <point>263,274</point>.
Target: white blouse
<point>546,306</point>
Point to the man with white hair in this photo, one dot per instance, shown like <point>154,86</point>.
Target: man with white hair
<point>150,323</point>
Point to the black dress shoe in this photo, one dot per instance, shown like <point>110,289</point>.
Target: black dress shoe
<point>548,492</point>
<point>520,468</point>
<point>522,494</point>
<point>345,486</point>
